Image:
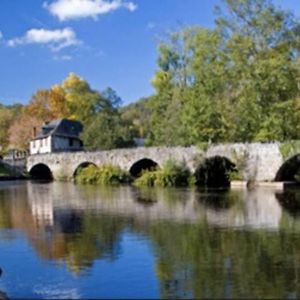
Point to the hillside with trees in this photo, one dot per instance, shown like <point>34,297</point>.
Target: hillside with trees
<point>72,99</point>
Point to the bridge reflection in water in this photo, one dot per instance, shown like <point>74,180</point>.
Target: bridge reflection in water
<point>258,208</point>
<point>202,240</point>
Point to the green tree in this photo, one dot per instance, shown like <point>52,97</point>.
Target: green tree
<point>106,129</point>
<point>82,102</point>
<point>262,45</point>
<point>234,83</point>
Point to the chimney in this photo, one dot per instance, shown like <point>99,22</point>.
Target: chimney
<point>34,132</point>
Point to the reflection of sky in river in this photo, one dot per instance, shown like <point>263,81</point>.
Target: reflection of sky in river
<point>60,240</point>
<point>27,274</point>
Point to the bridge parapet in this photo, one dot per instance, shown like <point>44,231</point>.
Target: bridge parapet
<point>257,161</point>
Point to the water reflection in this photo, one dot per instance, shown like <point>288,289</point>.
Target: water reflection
<point>2,294</point>
<point>290,201</point>
<point>205,244</point>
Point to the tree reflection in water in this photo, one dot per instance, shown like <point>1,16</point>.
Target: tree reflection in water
<point>228,244</point>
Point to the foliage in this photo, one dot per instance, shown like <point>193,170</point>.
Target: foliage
<point>72,99</point>
<point>203,146</point>
<point>4,171</point>
<point>107,131</point>
<point>170,175</point>
<point>297,176</point>
<point>103,175</point>
<point>8,114</point>
<point>288,149</point>
<point>235,83</point>
<point>137,115</point>
<point>235,175</point>
<point>5,121</point>
<point>21,131</point>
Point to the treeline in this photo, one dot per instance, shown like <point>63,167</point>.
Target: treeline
<point>237,82</point>
<point>72,99</point>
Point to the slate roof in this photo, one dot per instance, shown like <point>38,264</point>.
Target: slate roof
<point>61,127</point>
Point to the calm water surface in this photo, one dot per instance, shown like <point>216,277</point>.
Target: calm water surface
<point>60,240</point>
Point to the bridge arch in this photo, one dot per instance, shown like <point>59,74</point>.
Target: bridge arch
<point>81,166</point>
<point>141,165</point>
<point>214,172</point>
<point>41,171</point>
<point>289,169</point>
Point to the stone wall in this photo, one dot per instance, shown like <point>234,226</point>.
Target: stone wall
<point>257,161</point>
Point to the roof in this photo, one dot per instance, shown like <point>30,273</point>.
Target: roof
<point>61,127</point>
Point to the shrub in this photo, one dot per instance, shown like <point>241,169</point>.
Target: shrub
<point>171,174</point>
<point>297,176</point>
<point>103,175</point>
<point>5,171</point>
<point>146,179</point>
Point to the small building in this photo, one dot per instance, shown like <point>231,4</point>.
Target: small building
<point>57,136</point>
<point>139,142</point>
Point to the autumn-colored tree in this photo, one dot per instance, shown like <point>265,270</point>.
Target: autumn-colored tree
<point>39,106</point>
<point>57,102</point>
<point>21,131</point>
<point>6,116</point>
<point>82,102</point>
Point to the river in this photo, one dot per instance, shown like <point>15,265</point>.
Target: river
<point>61,240</point>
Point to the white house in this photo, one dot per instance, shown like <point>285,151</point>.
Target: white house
<point>57,136</point>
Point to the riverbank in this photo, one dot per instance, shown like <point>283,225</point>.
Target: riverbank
<point>12,178</point>
<point>7,173</point>
<point>266,184</point>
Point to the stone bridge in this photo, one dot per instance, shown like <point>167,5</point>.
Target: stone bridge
<point>255,161</point>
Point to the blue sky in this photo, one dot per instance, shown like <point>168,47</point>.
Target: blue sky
<point>107,42</point>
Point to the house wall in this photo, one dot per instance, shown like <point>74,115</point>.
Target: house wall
<point>40,146</point>
<point>53,144</point>
<point>64,144</point>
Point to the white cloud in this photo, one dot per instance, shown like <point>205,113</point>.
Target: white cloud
<point>151,25</point>
<point>55,39</point>
<point>62,57</point>
<point>78,9</point>
<point>1,35</point>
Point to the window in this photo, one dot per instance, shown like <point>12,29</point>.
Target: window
<point>71,142</point>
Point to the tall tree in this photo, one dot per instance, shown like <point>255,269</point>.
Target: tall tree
<point>82,102</point>
<point>232,83</point>
<point>107,130</point>
<point>21,131</point>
